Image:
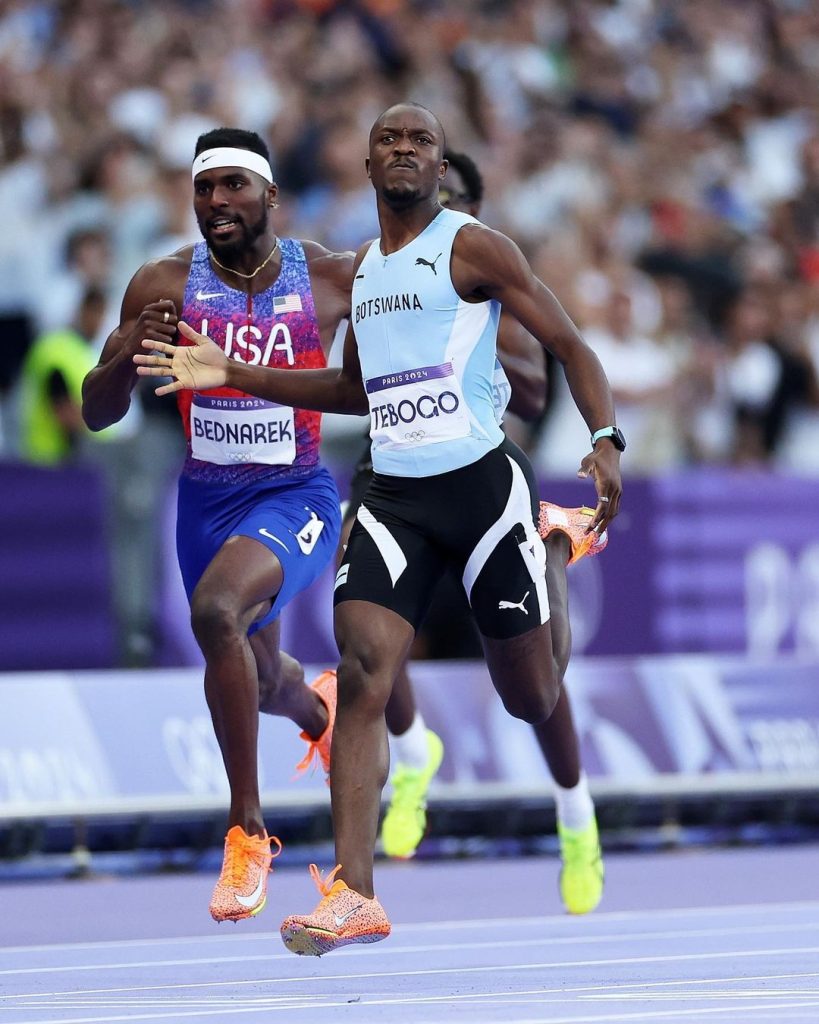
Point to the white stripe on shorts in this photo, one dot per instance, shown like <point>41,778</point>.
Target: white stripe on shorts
<point>518,510</point>
<point>388,547</point>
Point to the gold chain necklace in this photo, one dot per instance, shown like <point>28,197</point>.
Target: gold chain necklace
<point>238,273</point>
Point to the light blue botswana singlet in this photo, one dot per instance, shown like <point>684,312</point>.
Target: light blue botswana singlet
<point>427,357</point>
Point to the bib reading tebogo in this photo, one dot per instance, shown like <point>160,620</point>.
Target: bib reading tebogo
<point>416,407</point>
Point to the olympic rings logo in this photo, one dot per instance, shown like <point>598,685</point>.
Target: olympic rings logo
<point>415,435</point>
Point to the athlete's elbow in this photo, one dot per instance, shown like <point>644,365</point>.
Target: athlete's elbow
<point>359,407</point>
<point>97,418</point>
<point>353,399</point>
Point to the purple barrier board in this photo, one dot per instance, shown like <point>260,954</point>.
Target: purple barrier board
<point>55,595</point>
<point>706,561</point>
<point>68,740</point>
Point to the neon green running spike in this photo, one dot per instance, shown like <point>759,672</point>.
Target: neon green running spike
<point>582,873</point>
<point>406,819</point>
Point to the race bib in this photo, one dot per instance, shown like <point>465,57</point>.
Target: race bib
<point>227,431</point>
<point>417,407</point>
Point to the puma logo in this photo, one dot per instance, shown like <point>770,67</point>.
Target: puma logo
<point>519,605</point>
<point>421,262</point>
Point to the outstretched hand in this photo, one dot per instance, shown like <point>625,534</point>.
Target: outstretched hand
<point>199,366</point>
<point>602,464</point>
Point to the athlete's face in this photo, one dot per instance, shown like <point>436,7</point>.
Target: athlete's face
<point>406,155</point>
<point>454,195</point>
<point>232,207</point>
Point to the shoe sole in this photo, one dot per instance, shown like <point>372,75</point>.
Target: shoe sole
<point>316,941</point>
<point>240,917</point>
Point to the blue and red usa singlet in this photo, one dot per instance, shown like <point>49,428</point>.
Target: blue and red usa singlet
<point>234,437</point>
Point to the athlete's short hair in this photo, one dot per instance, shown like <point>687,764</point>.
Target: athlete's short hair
<point>470,175</point>
<point>232,138</point>
<point>418,106</point>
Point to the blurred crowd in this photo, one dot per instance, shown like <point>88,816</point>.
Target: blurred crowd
<point>657,161</point>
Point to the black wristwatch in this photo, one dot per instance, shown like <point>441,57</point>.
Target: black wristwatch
<point>614,434</point>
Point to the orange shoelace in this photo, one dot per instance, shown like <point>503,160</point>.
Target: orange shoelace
<point>234,869</point>
<point>324,883</point>
<point>311,758</point>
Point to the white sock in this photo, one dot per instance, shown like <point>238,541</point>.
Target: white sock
<point>575,808</point>
<point>410,748</point>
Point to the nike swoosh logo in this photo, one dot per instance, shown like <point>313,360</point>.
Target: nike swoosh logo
<point>340,920</point>
<point>271,536</point>
<point>205,159</point>
<point>253,898</point>
<point>201,296</point>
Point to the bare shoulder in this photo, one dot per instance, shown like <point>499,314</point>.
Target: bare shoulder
<point>483,259</point>
<point>482,241</point>
<point>336,267</point>
<point>162,278</point>
<point>170,269</point>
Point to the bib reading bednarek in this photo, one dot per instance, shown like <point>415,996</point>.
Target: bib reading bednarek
<point>230,431</point>
<point>427,357</point>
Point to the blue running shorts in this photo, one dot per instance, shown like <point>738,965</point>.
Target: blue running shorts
<point>299,521</point>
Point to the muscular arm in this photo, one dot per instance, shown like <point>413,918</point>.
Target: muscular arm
<point>331,280</point>
<point>334,389</point>
<point>156,288</point>
<point>524,364</point>
<point>487,264</point>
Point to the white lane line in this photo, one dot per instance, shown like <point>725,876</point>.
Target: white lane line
<point>561,965</point>
<point>681,982</point>
<point>56,1000</point>
<point>809,993</point>
<point>600,917</point>
<point>602,991</point>
<point>654,1015</point>
<point>492,999</point>
<point>396,950</point>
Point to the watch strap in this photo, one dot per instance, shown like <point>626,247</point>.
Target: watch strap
<point>602,432</point>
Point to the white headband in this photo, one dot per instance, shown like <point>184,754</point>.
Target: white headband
<point>226,156</point>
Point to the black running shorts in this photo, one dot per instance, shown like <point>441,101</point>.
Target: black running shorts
<point>476,520</point>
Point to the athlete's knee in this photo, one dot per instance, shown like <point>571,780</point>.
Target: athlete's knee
<point>213,618</point>
<point>533,704</point>
<point>362,683</point>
